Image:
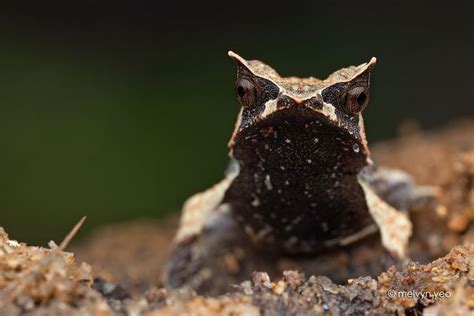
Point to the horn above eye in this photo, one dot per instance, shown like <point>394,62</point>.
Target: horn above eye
<point>356,100</point>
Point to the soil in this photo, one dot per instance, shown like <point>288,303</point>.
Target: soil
<point>118,269</point>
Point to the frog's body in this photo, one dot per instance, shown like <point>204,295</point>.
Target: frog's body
<point>290,191</point>
<point>301,178</point>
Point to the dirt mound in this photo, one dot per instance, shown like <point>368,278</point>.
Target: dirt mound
<point>127,259</point>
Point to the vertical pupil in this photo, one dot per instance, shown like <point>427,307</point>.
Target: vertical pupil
<point>361,98</point>
<point>240,91</point>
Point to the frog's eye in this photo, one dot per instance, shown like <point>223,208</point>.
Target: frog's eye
<point>356,100</point>
<point>245,91</point>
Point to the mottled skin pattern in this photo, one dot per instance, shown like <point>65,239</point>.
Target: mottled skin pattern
<point>301,179</point>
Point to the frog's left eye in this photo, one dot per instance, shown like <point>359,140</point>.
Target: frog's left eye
<point>356,100</point>
<point>245,91</point>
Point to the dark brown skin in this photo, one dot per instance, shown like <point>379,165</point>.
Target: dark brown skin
<point>298,182</point>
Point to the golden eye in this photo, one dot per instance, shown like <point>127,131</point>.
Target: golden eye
<point>356,100</point>
<point>245,91</point>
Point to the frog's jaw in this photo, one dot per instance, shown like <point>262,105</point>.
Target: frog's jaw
<point>298,134</point>
<point>312,111</point>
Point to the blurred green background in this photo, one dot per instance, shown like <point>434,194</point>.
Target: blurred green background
<point>118,110</point>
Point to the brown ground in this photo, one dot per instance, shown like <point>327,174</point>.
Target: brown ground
<point>132,254</point>
<point>36,281</point>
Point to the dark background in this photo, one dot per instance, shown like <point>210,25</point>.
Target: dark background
<point>118,110</point>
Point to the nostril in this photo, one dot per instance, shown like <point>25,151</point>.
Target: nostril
<point>285,102</point>
<point>314,103</point>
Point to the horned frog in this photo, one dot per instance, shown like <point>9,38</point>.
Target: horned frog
<point>300,180</point>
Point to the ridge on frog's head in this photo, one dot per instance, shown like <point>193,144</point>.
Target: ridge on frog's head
<point>338,100</point>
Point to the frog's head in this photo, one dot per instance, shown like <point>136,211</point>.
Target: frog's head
<point>337,101</point>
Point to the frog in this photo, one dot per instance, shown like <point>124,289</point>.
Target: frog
<point>300,180</point>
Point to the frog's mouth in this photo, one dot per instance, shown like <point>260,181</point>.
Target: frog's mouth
<point>315,104</point>
<point>310,109</point>
<point>300,136</point>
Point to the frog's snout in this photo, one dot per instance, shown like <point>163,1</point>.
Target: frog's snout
<point>313,103</point>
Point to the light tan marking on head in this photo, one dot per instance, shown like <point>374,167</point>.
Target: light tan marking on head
<point>330,111</point>
<point>270,107</point>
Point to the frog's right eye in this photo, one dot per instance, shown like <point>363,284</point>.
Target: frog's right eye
<point>245,91</point>
<point>356,100</point>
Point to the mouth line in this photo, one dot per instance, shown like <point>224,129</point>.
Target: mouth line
<point>298,112</point>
